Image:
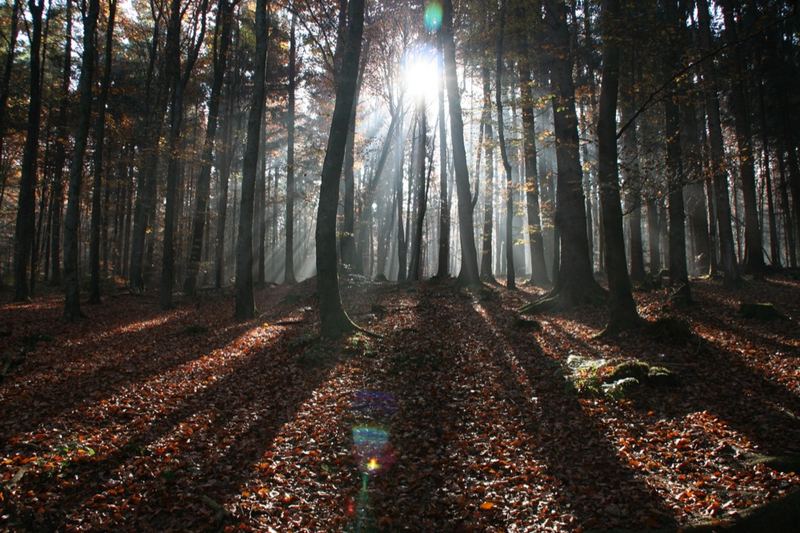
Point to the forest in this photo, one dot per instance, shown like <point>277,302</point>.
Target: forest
<point>370,265</point>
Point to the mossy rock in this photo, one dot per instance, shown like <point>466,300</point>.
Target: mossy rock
<point>620,388</point>
<point>629,369</point>
<point>658,375</point>
<point>760,311</point>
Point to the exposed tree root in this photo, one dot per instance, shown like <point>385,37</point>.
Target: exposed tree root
<point>563,298</point>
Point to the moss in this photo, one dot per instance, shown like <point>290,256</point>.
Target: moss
<point>620,388</point>
<point>634,368</point>
<point>670,330</point>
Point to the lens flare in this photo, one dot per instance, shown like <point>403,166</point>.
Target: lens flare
<point>433,16</point>
<point>421,74</point>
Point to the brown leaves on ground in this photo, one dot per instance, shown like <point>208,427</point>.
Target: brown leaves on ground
<point>455,419</point>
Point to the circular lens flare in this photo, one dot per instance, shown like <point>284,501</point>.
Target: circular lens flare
<point>433,16</point>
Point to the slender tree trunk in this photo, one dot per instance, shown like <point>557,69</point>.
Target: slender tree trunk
<point>415,266</point>
<point>72,308</point>
<point>210,150</point>
<point>488,179</point>
<point>24,228</point>
<point>245,302</point>
<point>469,257</point>
<point>443,270</point>
<point>151,124</point>
<point>774,243</point>
<point>679,276</point>
<point>501,136</point>
<point>754,256</point>
<point>290,192</point>
<point>179,81</point>
<point>535,236</point>
<point>717,154</point>
<point>788,225</point>
<point>5,85</point>
<point>401,237</point>
<point>334,320</point>
<point>99,141</point>
<point>631,174</point>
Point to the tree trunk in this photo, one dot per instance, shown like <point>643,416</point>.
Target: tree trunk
<point>333,318</point>
<point>290,192</point>
<point>622,308</point>
<point>632,177</point>
<point>99,140</point>
<point>754,256</point>
<point>679,276</point>
<point>488,179</point>
<point>210,152</point>
<point>24,228</point>
<point>443,270</point>
<point>72,308</point>
<point>469,258</point>
<point>415,266</point>
<point>574,280</point>
<point>717,154</point>
<point>535,236</point>
<point>501,137</point>
<point>5,85</point>
<point>245,302</point>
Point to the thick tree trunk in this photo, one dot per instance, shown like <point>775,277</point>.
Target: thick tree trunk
<point>717,154</point>
<point>402,258</point>
<point>72,308</point>
<point>210,152</point>
<point>290,192</point>
<point>245,302</point>
<point>574,280</point>
<point>754,256</point>
<point>334,320</point>
<point>469,257</point>
<point>24,228</point>
<point>622,308</point>
<point>99,141</point>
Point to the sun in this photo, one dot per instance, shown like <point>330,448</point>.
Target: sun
<point>421,74</point>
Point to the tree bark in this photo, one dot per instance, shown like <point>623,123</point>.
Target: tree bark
<point>24,228</point>
<point>469,258</point>
<point>443,270</point>
<point>245,302</point>
<point>99,141</point>
<point>717,153</point>
<point>488,179</point>
<point>574,280</point>
<point>511,282</point>
<point>333,318</point>
<point>290,192</point>
<point>754,256</point>
<point>210,150</point>
<point>72,308</point>
<point>622,308</point>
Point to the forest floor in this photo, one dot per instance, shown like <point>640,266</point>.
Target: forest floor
<point>459,418</point>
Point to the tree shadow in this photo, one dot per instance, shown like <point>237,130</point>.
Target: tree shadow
<point>122,359</point>
<point>593,483</point>
<point>198,451</point>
